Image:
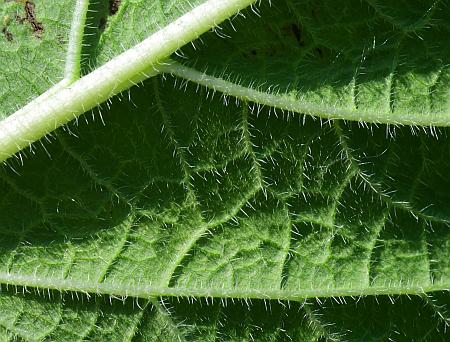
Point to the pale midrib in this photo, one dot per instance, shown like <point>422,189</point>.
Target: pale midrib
<point>149,291</point>
<point>71,98</point>
<point>289,102</point>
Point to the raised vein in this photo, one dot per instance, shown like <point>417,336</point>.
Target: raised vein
<point>292,103</point>
<point>65,103</point>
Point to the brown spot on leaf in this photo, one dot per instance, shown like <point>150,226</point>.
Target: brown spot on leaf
<point>8,35</point>
<point>114,6</point>
<point>30,16</point>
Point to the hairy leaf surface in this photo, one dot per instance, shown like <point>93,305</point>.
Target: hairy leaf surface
<point>372,61</point>
<point>184,209</point>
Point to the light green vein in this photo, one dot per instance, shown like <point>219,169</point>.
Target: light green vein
<point>148,291</point>
<point>292,103</point>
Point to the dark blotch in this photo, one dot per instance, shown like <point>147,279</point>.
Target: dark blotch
<point>102,24</point>
<point>114,6</point>
<point>294,31</point>
<point>8,35</point>
<point>297,32</point>
<point>319,52</point>
<point>30,16</point>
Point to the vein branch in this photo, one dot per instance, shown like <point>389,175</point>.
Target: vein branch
<point>69,100</point>
<point>73,58</point>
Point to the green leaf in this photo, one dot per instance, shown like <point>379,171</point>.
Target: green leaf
<point>31,317</point>
<point>173,212</point>
<point>372,61</point>
<point>73,95</point>
<point>32,60</point>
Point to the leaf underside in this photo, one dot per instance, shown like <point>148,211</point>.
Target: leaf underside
<point>372,61</point>
<point>174,212</point>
